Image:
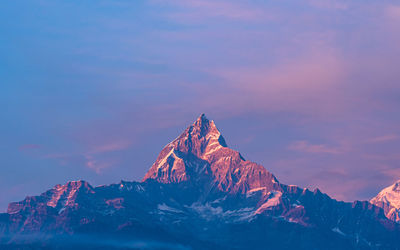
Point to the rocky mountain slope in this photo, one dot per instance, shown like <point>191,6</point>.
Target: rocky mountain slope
<point>199,194</point>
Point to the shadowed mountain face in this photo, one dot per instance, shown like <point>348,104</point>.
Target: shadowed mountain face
<point>199,194</point>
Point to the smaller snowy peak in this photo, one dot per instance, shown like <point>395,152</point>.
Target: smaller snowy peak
<point>390,195</point>
<point>59,197</point>
<point>67,194</point>
<point>389,200</point>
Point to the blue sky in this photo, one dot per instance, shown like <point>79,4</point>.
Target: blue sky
<point>94,89</point>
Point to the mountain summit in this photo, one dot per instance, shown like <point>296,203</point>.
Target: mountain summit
<point>198,194</point>
<point>389,200</point>
<point>201,153</point>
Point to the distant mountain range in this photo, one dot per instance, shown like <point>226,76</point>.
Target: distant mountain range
<point>200,194</point>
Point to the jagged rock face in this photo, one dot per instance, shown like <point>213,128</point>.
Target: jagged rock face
<point>389,200</point>
<point>201,152</point>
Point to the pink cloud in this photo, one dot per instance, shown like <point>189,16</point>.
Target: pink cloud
<point>194,10</point>
<point>382,157</point>
<point>393,12</point>
<point>93,158</point>
<point>110,147</point>
<point>384,138</point>
<point>329,4</point>
<point>96,165</point>
<point>305,146</point>
<point>317,73</point>
<point>29,147</point>
<point>309,84</point>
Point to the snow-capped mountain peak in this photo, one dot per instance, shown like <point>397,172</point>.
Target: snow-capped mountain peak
<point>201,152</point>
<point>389,200</point>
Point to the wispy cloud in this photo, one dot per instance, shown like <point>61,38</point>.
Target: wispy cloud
<point>307,147</point>
<point>97,158</point>
<point>110,147</point>
<point>308,84</point>
<point>329,4</point>
<point>195,10</point>
<point>393,12</point>
<point>29,147</point>
<point>98,165</point>
<point>384,138</point>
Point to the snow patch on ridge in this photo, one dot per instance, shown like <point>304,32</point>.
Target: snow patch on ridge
<point>337,230</point>
<point>253,191</point>
<point>273,200</point>
<point>165,207</point>
<point>208,212</point>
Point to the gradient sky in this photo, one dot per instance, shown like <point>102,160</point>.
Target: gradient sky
<point>93,90</point>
